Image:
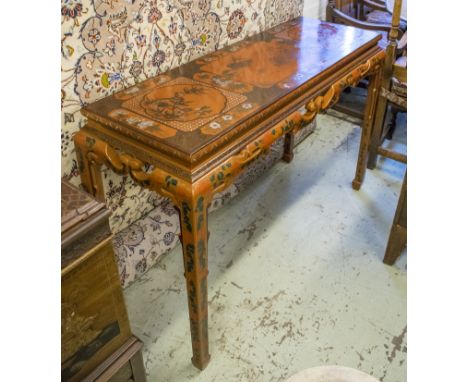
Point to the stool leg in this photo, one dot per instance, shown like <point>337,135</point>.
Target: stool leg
<point>392,123</point>
<point>395,245</point>
<point>372,96</point>
<point>397,237</point>
<point>288,154</point>
<point>376,138</point>
<point>193,225</point>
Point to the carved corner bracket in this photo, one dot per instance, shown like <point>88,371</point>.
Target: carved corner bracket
<point>332,95</point>
<point>92,153</point>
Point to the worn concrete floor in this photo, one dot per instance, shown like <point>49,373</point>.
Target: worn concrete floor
<point>296,274</point>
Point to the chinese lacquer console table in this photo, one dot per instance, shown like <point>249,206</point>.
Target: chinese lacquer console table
<point>188,133</point>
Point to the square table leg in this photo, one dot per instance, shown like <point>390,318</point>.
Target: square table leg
<point>92,153</point>
<point>194,227</point>
<point>367,125</point>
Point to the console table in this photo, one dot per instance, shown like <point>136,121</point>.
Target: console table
<point>189,132</point>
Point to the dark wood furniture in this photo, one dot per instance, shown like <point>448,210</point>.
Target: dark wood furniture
<point>356,13</point>
<point>397,238</point>
<point>94,318</point>
<point>394,100</point>
<point>379,12</point>
<point>393,90</point>
<point>339,11</point>
<point>188,133</point>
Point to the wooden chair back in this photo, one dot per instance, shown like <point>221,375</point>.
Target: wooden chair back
<point>393,44</point>
<point>347,6</point>
<point>393,90</point>
<point>346,12</point>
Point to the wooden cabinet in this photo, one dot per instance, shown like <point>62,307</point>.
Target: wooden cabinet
<point>94,318</point>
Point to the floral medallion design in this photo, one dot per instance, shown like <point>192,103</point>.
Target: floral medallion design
<point>173,102</point>
<point>110,45</point>
<point>181,104</point>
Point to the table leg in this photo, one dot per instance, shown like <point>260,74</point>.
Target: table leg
<point>193,223</point>
<point>366,131</point>
<point>92,153</point>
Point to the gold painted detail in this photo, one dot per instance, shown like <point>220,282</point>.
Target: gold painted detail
<point>77,331</point>
<point>157,179</point>
<point>222,176</point>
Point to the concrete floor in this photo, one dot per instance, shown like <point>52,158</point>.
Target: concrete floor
<point>296,274</point>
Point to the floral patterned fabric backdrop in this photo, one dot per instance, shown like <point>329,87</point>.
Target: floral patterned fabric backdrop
<point>108,45</point>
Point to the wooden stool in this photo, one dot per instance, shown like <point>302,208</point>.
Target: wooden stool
<point>393,90</point>
<point>331,374</point>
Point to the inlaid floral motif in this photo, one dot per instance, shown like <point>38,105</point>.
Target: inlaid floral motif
<point>170,106</point>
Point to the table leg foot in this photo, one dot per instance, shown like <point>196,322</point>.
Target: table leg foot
<point>356,185</point>
<point>201,363</point>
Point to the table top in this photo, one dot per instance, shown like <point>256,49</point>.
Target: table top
<point>190,107</point>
